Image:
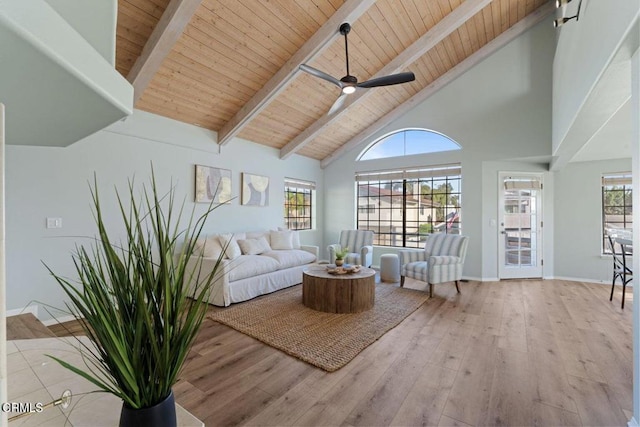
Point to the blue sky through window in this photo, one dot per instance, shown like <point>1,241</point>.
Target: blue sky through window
<point>408,142</point>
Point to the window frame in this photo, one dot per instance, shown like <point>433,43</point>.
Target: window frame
<point>307,190</point>
<point>406,220</point>
<point>614,180</point>
<point>386,138</point>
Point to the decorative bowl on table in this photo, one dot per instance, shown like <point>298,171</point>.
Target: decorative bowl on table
<point>346,269</point>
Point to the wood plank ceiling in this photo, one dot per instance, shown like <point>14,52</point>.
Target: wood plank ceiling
<point>228,50</point>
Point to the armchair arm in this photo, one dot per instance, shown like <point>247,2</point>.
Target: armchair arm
<point>444,260</point>
<point>444,268</point>
<point>366,255</point>
<point>332,252</point>
<point>412,255</point>
<point>311,249</point>
<point>199,267</point>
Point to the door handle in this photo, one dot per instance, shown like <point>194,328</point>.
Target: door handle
<point>503,232</point>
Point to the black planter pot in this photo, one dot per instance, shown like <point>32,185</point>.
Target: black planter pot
<point>162,414</point>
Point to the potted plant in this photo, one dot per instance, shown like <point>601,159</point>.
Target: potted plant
<point>340,254</point>
<point>134,302</point>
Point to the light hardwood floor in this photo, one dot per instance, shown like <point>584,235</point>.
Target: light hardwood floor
<point>526,353</point>
<point>501,353</point>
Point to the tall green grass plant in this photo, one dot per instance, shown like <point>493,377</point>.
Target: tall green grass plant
<point>133,298</point>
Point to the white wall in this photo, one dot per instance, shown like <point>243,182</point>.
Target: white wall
<point>635,156</point>
<point>500,109</point>
<point>578,220</point>
<point>585,49</point>
<point>57,88</point>
<point>94,20</point>
<point>53,182</point>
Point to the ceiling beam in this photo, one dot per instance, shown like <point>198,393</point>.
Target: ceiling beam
<point>350,11</point>
<point>485,51</point>
<point>166,33</point>
<point>430,39</point>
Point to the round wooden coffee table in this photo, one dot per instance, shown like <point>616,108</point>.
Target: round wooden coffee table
<point>338,293</point>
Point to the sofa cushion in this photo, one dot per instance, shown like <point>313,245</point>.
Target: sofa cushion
<point>250,265</point>
<point>259,234</point>
<point>281,239</point>
<point>295,237</point>
<point>198,246</point>
<point>290,258</point>
<point>208,247</point>
<point>212,247</point>
<point>254,246</point>
<point>229,241</point>
<point>417,270</point>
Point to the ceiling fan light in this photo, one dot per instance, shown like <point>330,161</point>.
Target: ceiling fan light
<point>348,89</point>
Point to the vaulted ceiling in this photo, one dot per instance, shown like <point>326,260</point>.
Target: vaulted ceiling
<point>232,65</point>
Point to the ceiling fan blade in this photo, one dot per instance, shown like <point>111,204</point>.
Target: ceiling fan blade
<point>339,103</point>
<point>321,74</point>
<point>392,79</point>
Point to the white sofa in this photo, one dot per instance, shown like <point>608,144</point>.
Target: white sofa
<point>254,264</point>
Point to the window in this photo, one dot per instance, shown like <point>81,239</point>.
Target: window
<point>410,204</point>
<point>617,208</point>
<point>367,209</point>
<point>298,199</point>
<point>408,142</point>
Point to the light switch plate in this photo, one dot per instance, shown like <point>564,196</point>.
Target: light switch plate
<point>54,222</point>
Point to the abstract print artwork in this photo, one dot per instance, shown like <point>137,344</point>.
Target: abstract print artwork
<point>255,190</point>
<point>213,184</point>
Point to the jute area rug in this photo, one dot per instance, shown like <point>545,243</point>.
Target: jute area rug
<point>328,341</point>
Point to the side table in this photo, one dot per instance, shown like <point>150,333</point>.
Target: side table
<point>389,268</point>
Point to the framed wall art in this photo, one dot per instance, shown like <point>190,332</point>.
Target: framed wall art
<point>213,184</point>
<point>255,190</point>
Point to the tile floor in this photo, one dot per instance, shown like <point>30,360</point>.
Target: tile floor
<point>35,378</point>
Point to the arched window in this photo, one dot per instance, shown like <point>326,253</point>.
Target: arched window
<point>408,142</point>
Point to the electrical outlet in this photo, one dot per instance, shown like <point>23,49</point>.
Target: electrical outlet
<point>54,222</point>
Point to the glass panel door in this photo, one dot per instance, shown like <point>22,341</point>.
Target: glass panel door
<point>520,226</point>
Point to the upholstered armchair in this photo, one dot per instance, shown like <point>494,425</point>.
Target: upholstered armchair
<point>360,244</point>
<point>440,261</point>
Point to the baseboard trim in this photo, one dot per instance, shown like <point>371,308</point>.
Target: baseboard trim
<point>581,279</point>
<point>571,279</point>
<point>33,309</point>
<point>480,279</point>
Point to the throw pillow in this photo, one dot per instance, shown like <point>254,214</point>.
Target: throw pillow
<point>229,242</point>
<point>254,246</point>
<point>281,239</point>
<point>257,235</point>
<point>295,237</point>
<point>211,247</point>
<point>198,246</point>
